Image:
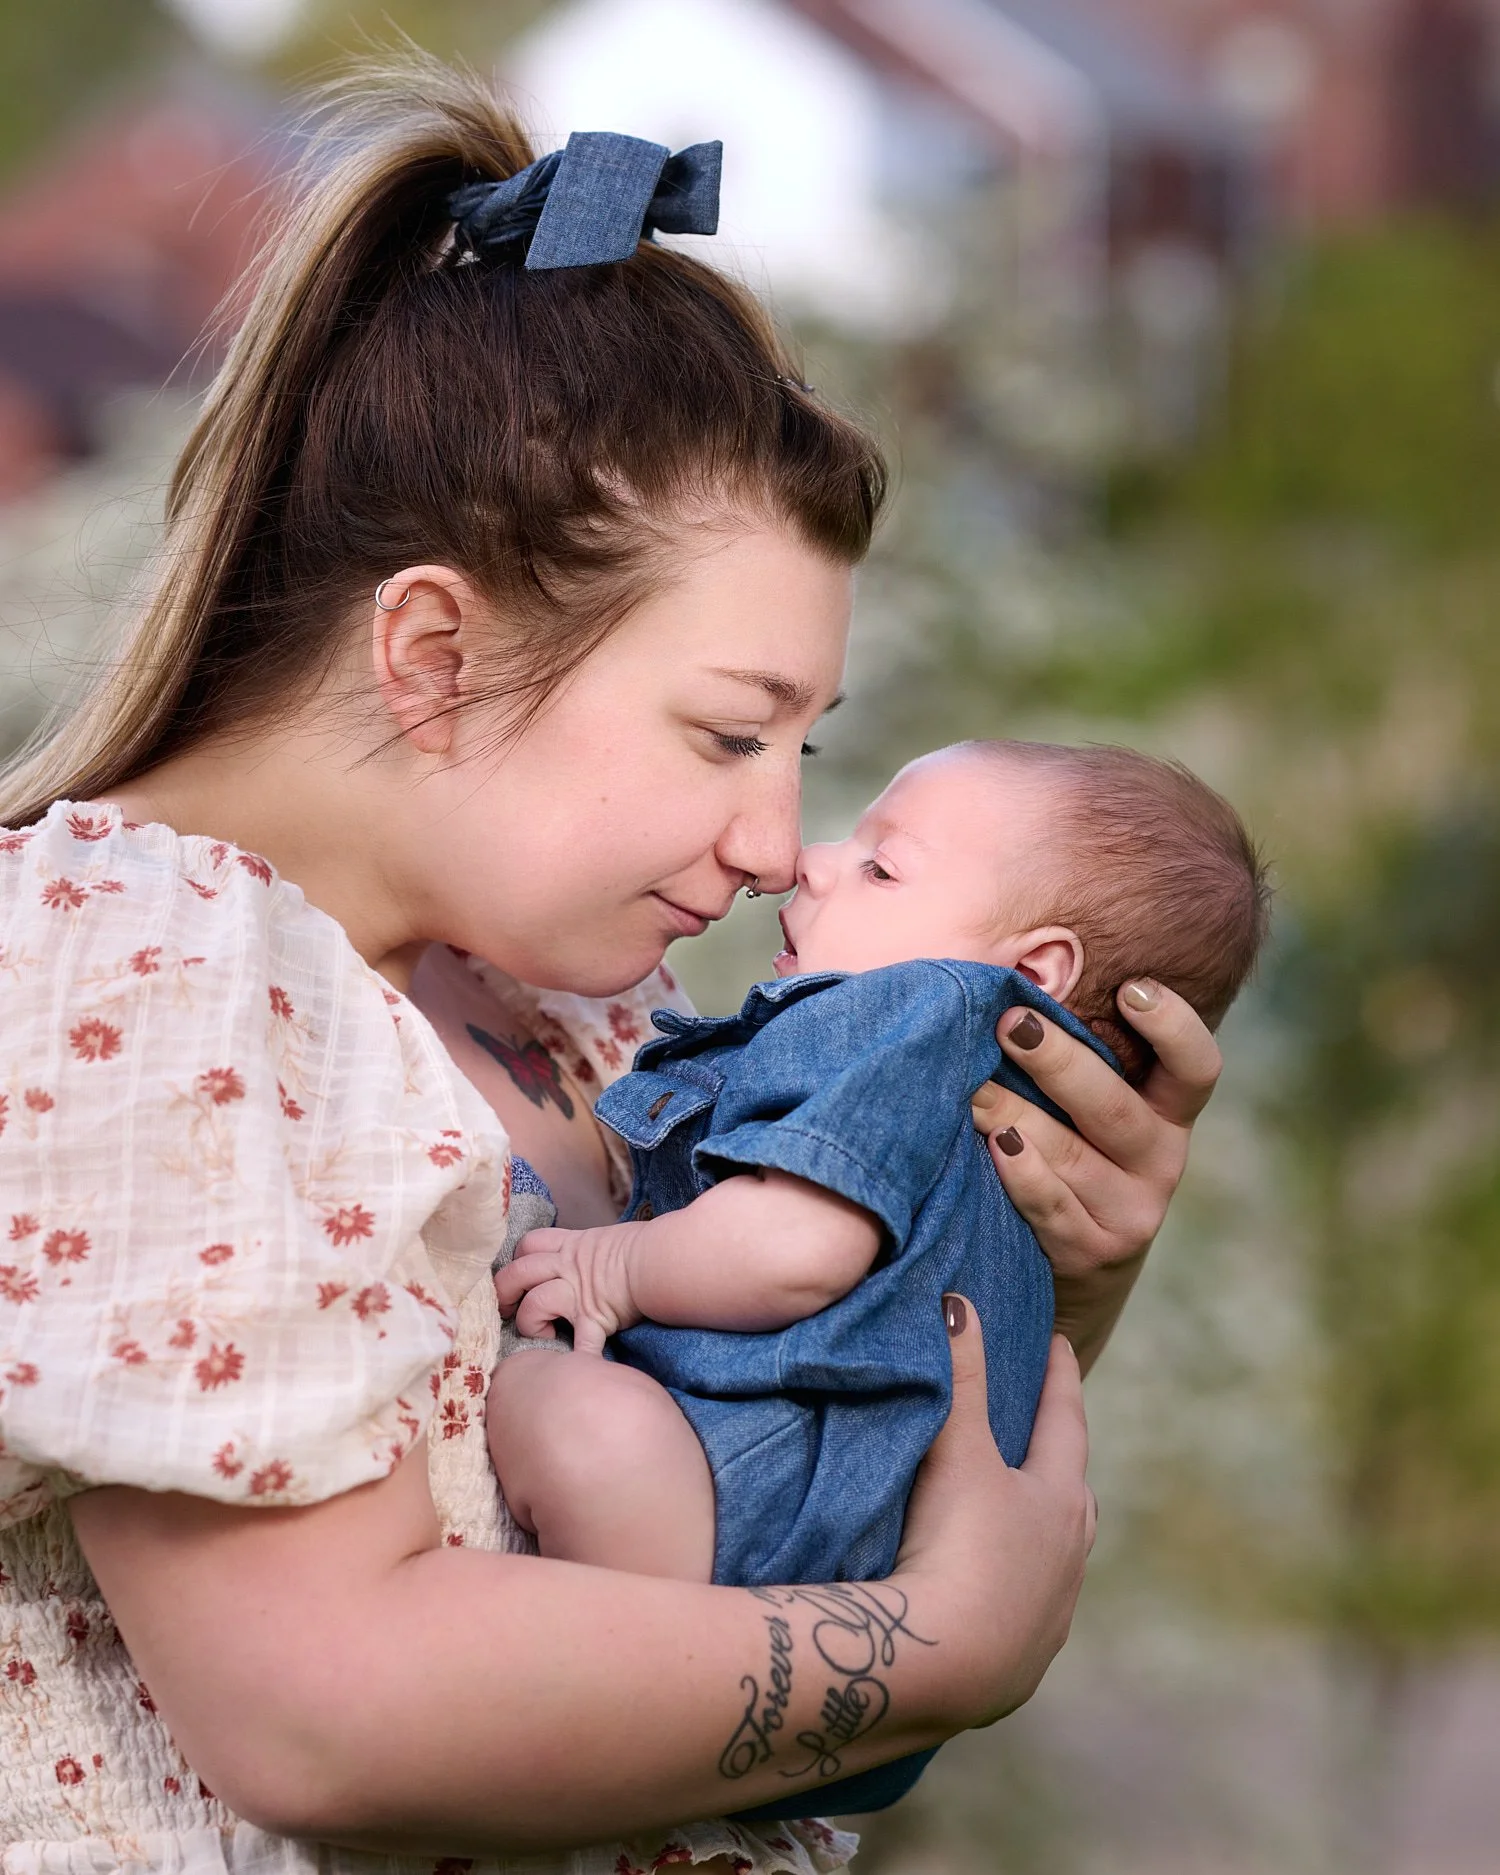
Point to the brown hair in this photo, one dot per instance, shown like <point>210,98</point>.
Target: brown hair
<point>541,432</point>
<point>1160,879</point>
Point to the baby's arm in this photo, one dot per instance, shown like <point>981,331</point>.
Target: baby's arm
<point>755,1252</point>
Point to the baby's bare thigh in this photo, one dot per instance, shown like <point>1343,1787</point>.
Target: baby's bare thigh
<point>556,1397</point>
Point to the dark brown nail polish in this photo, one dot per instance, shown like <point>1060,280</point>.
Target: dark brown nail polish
<point>1010,1142</point>
<point>955,1314</point>
<point>1028,1032</point>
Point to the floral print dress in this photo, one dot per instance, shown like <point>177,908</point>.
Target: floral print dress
<point>247,1211</point>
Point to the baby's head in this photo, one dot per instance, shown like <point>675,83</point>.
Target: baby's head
<point>1079,867</point>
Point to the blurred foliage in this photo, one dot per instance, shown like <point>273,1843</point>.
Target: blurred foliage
<point>58,57</point>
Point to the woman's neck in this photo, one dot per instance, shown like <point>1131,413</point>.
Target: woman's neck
<point>323,818</point>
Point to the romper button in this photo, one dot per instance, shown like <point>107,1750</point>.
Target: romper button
<point>654,1110</point>
<point>643,1209</point>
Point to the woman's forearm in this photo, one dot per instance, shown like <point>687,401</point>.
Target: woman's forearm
<point>448,1701</point>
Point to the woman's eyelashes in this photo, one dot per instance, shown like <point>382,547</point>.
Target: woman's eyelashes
<point>739,745</point>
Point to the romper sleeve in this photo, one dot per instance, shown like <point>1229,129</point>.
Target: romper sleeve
<point>224,1148</point>
<point>860,1088</point>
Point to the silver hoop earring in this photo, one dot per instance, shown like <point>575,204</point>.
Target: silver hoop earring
<point>753,889</point>
<point>382,604</point>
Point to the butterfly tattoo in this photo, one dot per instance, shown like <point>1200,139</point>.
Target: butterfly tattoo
<point>531,1068</point>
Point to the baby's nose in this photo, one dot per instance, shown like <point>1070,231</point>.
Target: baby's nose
<point>816,867</point>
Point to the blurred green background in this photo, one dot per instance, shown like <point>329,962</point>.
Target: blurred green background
<point>1187,342</point>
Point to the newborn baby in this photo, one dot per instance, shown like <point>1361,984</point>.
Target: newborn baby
<point>808,1184</point>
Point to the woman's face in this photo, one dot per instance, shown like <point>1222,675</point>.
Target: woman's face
<point>662,777</point>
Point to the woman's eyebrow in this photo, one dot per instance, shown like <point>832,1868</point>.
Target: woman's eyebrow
<point>786,690</point>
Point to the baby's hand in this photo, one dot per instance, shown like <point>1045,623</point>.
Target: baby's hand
<point>577,1276</point>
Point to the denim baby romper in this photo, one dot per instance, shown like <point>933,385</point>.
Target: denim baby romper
<point>860,1084</point>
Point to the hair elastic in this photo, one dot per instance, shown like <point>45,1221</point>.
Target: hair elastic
<point>382,604</point>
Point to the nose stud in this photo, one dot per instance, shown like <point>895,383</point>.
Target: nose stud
<point>753,889</point>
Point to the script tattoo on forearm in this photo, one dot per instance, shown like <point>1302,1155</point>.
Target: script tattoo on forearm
<point>854,1634</point>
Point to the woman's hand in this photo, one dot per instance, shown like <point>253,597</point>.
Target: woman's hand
<point>1096,1198</point>
<point>1000,1552</point>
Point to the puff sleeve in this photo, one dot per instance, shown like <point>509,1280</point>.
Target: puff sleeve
<point>242,1189</point>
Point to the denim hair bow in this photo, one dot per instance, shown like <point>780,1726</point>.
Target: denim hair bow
<point>590,203</point>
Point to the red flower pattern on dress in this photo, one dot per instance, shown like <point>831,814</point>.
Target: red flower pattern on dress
<point>226,1463</point>
<point>622,1023</point>
<point>109,886</point>
<point>23,1225</point>
<point>94,1039</point>
<point>76,1627</point>
<point>349,1223</point>
<point>277,1476</point>
<point>281,1003</point>
<point>216,1253</point>
<point>453,1418</point>
<point>13,842</point>
<point>184,1334</point>
<point>4,1110</point>
<point>144,962</point>
<point>66,1246</point>
<point>172,1785</point>
<point>475,1379</point>
<point>290,1110</point>
<point>445,1153</point>
<point>20,1672</point>
<point>23,1374</point>
<point>257,867</point>
<point>63,895</point>
<point>89,826</point>
<point>129,1354</point>
<point>374,1299</point>
<point>220,1366</point>
<point>329,1293</point>
<point>39,1100</point>
<point>69,1771</point>
<point>203,891</point>
<point>217,853</point>
<point>18,1285</point>
<point>424,1296</point>
<point>221,1085</point>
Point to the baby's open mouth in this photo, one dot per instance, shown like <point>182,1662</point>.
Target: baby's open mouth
<point>784,963</point>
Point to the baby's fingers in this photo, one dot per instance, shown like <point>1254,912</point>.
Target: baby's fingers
<point>517,1278</point>
<point>551,1302</point>
<point>539,1242</point>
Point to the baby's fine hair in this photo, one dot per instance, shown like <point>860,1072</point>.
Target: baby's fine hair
<point>547,433</point>
<point>1159,878</point>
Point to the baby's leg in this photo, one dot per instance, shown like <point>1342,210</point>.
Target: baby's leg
<point>596,1459</point>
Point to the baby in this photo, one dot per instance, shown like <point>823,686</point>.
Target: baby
<point>808,1183</point>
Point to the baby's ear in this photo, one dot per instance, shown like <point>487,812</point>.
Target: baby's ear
<point>1052,957</point>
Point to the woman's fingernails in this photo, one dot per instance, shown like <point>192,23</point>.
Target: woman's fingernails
<point>955,1314</point>
<point>1142,994</point>
<point>1010,1142</point>
<point>1028,1032</point>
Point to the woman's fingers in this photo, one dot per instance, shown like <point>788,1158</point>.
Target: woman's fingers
<point>1074,1241</point>
<point>1059,1450</point>
<point>1107,1111</point>
<point>967,1428</point>
<point>1188,1062</point>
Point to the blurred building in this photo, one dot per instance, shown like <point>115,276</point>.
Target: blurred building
<point>1357,107</point>
<point>115,248</point>
<point>858,127</point>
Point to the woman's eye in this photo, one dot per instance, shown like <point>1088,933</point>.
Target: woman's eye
<point>739,745</point>
<point>874,870</point>
<point>811,748</point>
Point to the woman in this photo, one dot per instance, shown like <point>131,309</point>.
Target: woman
<point>497,602</point>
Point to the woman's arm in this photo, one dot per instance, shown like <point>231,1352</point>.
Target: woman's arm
<point>1096,1198</point>
<point>337,1673</point>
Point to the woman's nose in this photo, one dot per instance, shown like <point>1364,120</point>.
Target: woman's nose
<point>763,845</point>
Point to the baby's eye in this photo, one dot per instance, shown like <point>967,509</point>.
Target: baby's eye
<point>874,870</point>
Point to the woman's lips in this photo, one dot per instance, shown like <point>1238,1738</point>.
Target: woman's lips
<point>687,923</point>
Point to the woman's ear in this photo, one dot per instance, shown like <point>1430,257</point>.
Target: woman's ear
<point>423,626</point>
<point>1052,957</point>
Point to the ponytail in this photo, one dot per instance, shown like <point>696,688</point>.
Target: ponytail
<point>376,408</point>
